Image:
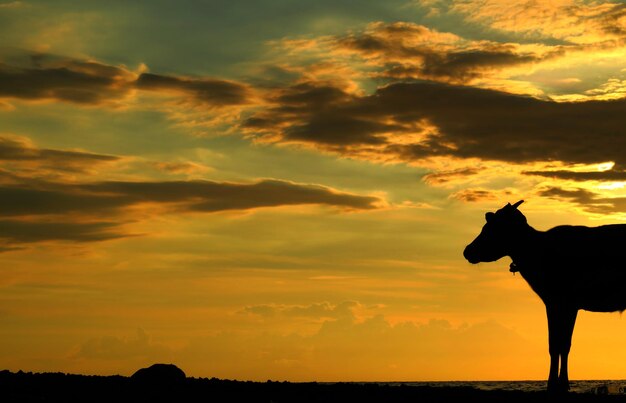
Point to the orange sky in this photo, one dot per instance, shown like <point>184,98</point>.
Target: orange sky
<point>278,190</point>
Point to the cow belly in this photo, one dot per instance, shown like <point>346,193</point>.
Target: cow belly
<point>597,291</point>
<point>607,298</point>
<point>604,306</point>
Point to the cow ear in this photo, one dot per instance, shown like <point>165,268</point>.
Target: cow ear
<point>489,216</point>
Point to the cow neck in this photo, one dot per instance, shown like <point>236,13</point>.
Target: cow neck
<point>522,249</point>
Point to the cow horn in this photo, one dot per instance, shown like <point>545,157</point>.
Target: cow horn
<point>516,205</point>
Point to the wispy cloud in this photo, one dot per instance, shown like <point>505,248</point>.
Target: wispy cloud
<point>36,209</point>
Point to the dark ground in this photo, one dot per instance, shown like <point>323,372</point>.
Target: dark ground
<point>59,387</point>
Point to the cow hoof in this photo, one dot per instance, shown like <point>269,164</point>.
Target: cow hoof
<point>558,386</point>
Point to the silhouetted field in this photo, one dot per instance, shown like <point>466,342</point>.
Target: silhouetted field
<point>59,387</point>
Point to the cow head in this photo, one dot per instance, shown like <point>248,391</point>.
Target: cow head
<point>498,235</point>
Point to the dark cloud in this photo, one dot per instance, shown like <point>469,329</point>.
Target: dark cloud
<point>35,208</point>
<point>65,80</point>
<point>19,232</point>
<point>51,198</point>
<point>310,112</point>
<point>48,77</point>
<point>209,91</point>
<point>581,196</point>
<point>443,177</point>
<point>608,175</point>
<point>199,196</point>
<point>20,150</point>
<point>209,196</point>
<point>470,122</point>
<point>464,65</point>
<point>407,50</point>
<point>501,126</point>
<point>589,201</point>
<point>36,211</point>
<point>474,195</point>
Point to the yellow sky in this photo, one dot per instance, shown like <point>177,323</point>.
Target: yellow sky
<point>283,191</point>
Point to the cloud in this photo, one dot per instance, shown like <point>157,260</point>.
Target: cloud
<point>182,167</point>
<point>208,91</point>
<point>74,212</point>
<point>15,232</point>
<point>443,177</point>
<point>210,196</point>
<point>406,50</point>
<point>116,348</point>
<point>82,82</point>
<point>372,349</point>
<point>89,82</point>
<point>573,21</point>
<point>35,208</point>
<point>611,175</point>
<point>413,121</point>
<point>474,195</point>
<point>589,201</point>
<point>315,310</point>
<point>22,154</point>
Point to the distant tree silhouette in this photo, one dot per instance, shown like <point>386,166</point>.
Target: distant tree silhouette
<point>569,267</point>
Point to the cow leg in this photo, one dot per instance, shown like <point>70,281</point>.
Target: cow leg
<point>553,330</point>
<point>560,328</point>
<point>569,320</point>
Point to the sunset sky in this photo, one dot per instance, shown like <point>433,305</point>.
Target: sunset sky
<point>283,189</point>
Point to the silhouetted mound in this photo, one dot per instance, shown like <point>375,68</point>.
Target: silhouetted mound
<point>160,374</point>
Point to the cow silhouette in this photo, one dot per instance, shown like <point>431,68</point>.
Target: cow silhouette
<point>569,267</point>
